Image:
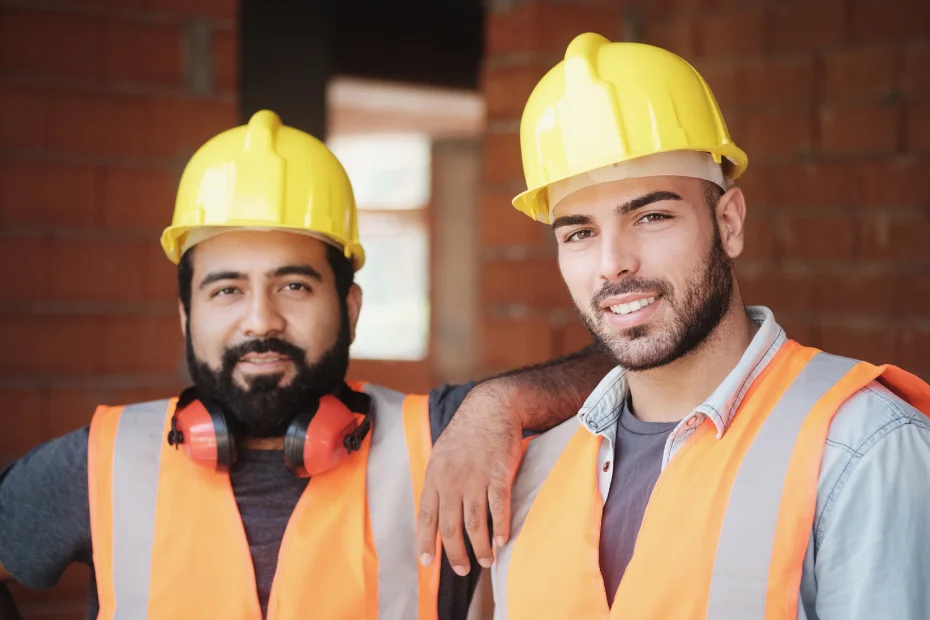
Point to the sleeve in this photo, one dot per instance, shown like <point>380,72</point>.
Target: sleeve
<point>443,403</point>
<point>873,555</point>
<point>44,511</point>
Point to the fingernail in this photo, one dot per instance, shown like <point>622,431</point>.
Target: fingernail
<point>426,559</point>
<point>461,571</point>
<point>501,541</point>
<point>485,562</point>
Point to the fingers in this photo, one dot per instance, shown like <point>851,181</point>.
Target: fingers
<point>427,522</point>
<point>450,530</point>
<point>499,503</point>
<point>476,524</point>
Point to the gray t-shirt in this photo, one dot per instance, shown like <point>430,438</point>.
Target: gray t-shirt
<point>45,518</point>
<point>637,464</point>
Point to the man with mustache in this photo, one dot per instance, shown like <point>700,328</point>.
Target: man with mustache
<point>269,488</point>
<point>721,470</point>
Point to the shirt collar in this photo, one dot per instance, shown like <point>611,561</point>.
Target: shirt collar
<point>602,408</point>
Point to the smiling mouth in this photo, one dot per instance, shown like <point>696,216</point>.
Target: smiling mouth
<point>633,306</point>
<point>264,359</point>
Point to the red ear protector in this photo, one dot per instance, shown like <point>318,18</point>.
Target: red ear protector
<point>316,440</point>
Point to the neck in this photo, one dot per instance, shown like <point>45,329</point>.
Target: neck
<point>670,393</point>
<point>264,443</point>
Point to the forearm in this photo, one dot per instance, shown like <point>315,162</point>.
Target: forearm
<point>545,395</point>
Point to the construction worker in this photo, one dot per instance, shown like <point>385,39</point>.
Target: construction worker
<point>269,488</point>
<point>721,470</point>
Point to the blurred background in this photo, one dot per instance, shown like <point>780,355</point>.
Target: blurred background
<point>103,101</point>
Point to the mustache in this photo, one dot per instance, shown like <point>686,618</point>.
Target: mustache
<point>630,285</point>
<point>232,355</point>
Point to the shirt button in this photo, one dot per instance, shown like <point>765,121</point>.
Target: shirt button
<point>606,466</point>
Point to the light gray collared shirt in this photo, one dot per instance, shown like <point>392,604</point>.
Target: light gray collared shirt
<point>869,550</point>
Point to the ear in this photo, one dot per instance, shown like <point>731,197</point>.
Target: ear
<point>354,306</point>
<point>182,315</point>
<point>730,214</point>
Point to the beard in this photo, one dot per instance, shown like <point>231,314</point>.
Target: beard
<point>695,312</point>
<point>264,408</point>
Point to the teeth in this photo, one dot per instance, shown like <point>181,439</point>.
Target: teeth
<point>633,306</point>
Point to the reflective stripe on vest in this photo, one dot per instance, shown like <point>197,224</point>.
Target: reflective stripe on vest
<point>726,529</point>
<point>168,539</point>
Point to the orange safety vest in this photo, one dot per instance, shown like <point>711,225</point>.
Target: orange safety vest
<point>726,529</point>
<point>168,539</point>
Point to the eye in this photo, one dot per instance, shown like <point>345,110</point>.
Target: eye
<point>579,235</point>
<point>652,218</point>
<point>229,290</point>
<point>296,287</point>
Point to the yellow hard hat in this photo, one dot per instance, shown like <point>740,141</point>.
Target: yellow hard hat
<point>265,175</point>
<point>608,103</point>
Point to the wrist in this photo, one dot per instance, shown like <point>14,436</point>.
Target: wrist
<point>507,397</point>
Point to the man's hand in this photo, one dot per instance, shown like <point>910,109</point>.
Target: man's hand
<point>471,469</point>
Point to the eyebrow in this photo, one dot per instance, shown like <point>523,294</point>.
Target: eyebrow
<point>570,220</point>
<point>642,201</point>
<point>286,270</point>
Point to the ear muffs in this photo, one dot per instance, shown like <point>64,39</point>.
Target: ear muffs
<point>200,428</point>
<point>315,442</point>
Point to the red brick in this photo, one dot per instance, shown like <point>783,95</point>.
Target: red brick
<point>823,184</point>
<point>22,114</point>
<point>733,33</point>
<point>72,408</point>
<point>182,127</point>
<point>873,21</point>
<point>915,294</point>
<point>143,345</point>
<point>36,194</point>
<point>851,74</point>
<point>506,89</point>
<point>502,224</point>
<point>135,52</point>
<point>137,198</point>
<point>536,282</point>
<point>50,344</point>
<point>861,293</point>
<point>859,128</point>
<point>777,81</point>
<point>759,233</point>
<point>511,343</point>
<point>99,124</point>
<point>546,28</point>
<point>897,182</point>
<point>226,59</point>
<point>502,160</point>
<point>657,9</point>
<point>678,35</point>
<point>161,275</point>
<point>23,420</point>
<point>97,270</point>
<point>49,42</point>
<point>573,337</point>
<point>897,237</point>
<point>911,351</point>
<point>805,26</point>
<point>783,293</point>
<point>777,132</point>
<point>917,134</point>
<point>755,185</point>
<point>916,82</point>
<point>830,238</point>
<point>801,330</point>
<point>873,344</point>
<point>23,267</point>
<point>723,79</point>
<point>221,9</point>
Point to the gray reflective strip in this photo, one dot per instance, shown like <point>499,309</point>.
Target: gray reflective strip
<point>136,461</point>
<point>744,553</point>
<point>390,505</point>
<point>541,456</point>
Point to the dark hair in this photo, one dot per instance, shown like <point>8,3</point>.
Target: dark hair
<point>712,194</point>
<point>341,266</point>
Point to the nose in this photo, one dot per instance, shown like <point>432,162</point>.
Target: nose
<point>619,256</point>
<point>262,319</point>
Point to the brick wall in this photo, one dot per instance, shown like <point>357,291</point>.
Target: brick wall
<point>101,104</point>
<point>830,98</point>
